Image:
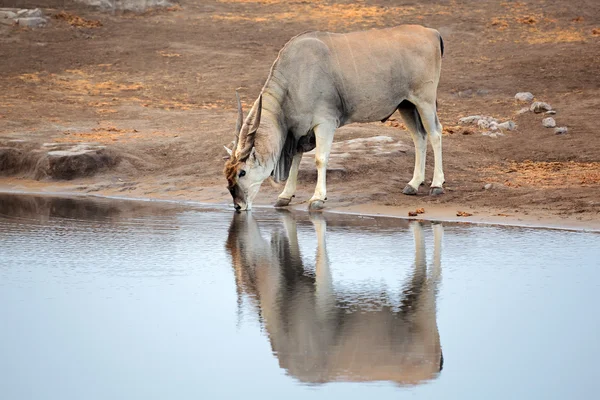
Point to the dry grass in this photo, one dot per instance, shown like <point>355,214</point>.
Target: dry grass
<point>527,20</point>
<point>106,135</point>
<point>547,174</point>
<point>322,14</point>
<point>499,23</point>
<point>77,21</point>
<point>555,36</point>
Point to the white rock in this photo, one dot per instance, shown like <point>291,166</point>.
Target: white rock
<point>551,112</point>
<point>33,22</point>
<point>493,126</point>
<point>508,126</point>
<point>470,120</point>
<point>540,106</point>
<point>488,186</point>
<point>7,15</point>
<point>523,110</point>
<point>483,124</point>
<point>561,130</point>
<point>493,134</point>
<point>524,97</point>
<point>36,12</point>
<point>22,13</point>
<point>128,5</point>
<point>549,122</point>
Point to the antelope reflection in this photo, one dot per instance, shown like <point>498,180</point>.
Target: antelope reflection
<point>313,333</point>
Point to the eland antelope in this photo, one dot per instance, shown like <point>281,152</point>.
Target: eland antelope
<point>315,334</point>
<point>321,81</point>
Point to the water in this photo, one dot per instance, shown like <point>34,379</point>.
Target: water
<point>124,300</point>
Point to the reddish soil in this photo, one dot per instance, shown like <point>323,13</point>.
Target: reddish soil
<point>158,89</point>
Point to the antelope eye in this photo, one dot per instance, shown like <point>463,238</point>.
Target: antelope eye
<point>242,173</point>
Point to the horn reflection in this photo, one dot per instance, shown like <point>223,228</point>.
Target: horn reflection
<point>316,337</point>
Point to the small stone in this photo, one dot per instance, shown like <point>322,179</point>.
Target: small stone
<point>524,97</point>
<point>412,214</point>
<point>34,22</point>
<point>488,186</point>
<point>551,112</point>
<point>463,214</point>
<point>493,126</point>
<point>493,134</point>
<point>549,122</point>
<point>7,15</point>
<point>508,126</point>
<point>540,106</point>
<point>35,13</point>
<point>22,13</point>
<point>483,123</point>
<point>469,120</point>
<point>523,110</point>
<point>561,130</point>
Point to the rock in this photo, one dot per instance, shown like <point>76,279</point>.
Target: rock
<point>469,120</point>
<point>7,15</point>
<point>35,13</point>
<point>126,5</point>
<point>540,106</point>
<point>33,22</point>
<point>524,97</point>
<point>493,134</point>
<point>561,130</point>
<point>22,13</point>
<point>551,112</point>
<point>507,126</point>
<point>523,110</point>
<point>549,122</point>
<point>488,186</point>
<point>483,124</point>
<point>493,126</point>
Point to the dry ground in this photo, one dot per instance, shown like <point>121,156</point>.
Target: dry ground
<point>158,89</point>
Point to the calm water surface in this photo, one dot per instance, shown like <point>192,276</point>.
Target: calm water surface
<point>127,300</point>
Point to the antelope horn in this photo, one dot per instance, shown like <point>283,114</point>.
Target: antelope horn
<point>257,114</point>
<point>240,119</point>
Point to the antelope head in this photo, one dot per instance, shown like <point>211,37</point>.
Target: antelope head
<point>244,170</point>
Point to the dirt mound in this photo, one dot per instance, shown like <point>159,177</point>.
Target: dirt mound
<point>56,160</point>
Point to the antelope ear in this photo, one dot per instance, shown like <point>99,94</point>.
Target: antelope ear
<point>252,156</point>
<point>229,153</point>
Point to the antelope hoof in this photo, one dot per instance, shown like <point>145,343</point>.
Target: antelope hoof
<point>436,191</point>
<point>316,205</point>
<point>409,190</point>
<point>282,202</point>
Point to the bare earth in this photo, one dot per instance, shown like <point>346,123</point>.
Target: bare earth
<point>158,90</point>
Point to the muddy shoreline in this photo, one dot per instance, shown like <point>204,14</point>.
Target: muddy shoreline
<point>443,213</point>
